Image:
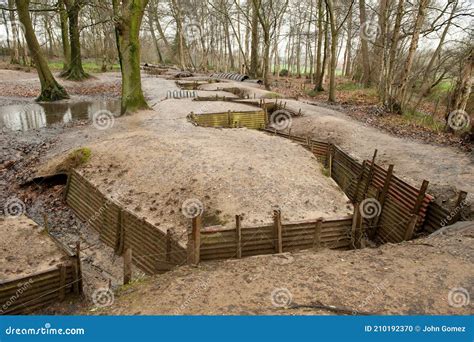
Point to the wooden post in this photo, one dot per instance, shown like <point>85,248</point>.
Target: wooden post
<point>277,231</point>
<point>194,241</point>
<point>68,182</point>
<point>330,162</point>
<point>458,207</point>
<point>78,267</point>
<point>62,281</point>
<point>411,227</point>
<point>382,198</point>
<point>120,239</point>
<point>238,235</point>
<point>356,222</point>
<point>317,234</point>
<point>168,245</point>
<point>127,266</point>
<point>420,198</point>
<point>371,175</point>
<point>46,224</point>
<point>359,181</point>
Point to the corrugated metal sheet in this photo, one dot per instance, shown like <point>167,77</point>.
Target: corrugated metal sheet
<point>152,250</point>
<point>249,119</point>
<point>27,294</point>
<point>221,243</point>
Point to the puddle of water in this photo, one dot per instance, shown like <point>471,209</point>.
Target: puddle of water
<point>37,115</point>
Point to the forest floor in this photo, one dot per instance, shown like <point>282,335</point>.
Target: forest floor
<point>425,122</point>
<point>176,143</point>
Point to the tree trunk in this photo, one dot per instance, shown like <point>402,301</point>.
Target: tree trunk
<point>319,73</point>
<point>15,57</point>
<point>50,89</point>
<point>75,71</point>
<point>402,88</point>
<point>348,68</point>
<point>254,44</point>
<point>64,35</point>
<point>388,96</point>
<point>153,36</point>
<point>129,14</point>
<point>332,68</point>
<point>366,76</point>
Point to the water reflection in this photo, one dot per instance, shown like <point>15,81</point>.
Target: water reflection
<point>37,115</point>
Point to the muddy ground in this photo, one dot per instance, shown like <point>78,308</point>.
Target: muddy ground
<point>23,153</point>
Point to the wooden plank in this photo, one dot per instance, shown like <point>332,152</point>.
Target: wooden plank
<point>317,234</point>
<point>127,266</point>
<point>238,235</point>
<point>278,231</point>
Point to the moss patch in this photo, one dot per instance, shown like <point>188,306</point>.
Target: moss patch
<point>74,159</point>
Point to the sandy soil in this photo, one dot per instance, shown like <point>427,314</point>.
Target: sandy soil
<point>25,248</point>
<point>155,162</point>
<point>414,277</point>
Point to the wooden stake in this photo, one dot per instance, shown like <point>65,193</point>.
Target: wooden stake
<point>168,245</point>
<point>194,241</point>
<point>238,235</point>
<point>127,266</point>
<point>62,282</point>
<point>371,175</point>
<point>458,207</point>
<point>356,221</point>
<point>278,231</point>
<point>382,198</point>
<point>411,227</point>
<point>78,268</point>
<point>317,234</point>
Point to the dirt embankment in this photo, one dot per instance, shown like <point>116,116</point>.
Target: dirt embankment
<point>25,247</point>
<point>426,276</point>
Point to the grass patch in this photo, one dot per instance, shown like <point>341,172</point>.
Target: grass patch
<point>349,86</point>
<point>423,120</point>
<point>74,159</point>
<point>89,66</point>
<point>273,95</point>
<point>311,92</point>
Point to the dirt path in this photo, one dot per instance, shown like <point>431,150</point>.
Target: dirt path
<point>415,161</point>
<point>425,276</point>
